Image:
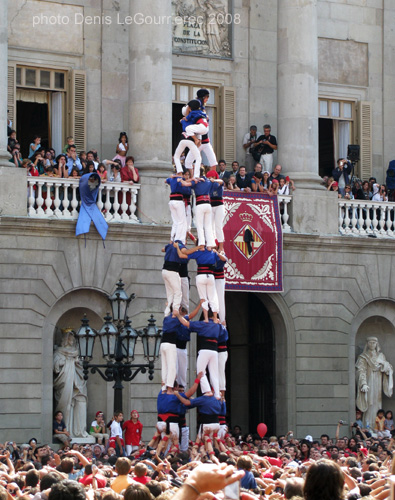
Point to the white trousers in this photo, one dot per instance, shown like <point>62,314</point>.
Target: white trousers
<point>131,449</point>
<point>220,288</point>
<point>173,289</point>
<point>267,162</point>
<point>188,214</point>
<point>208,359</point>
<point>185,293</point>
<point>223,429</point>
<point>208,150</point>
<point>208,429</point>
<point>197,129</point>
<point>204,224</point>
<point>192,156</point>
<point>173,427</point>
<point>182,367</point>
<point>184,438</point>
<point>222,359</point>
<point>168,356</point>
<point>205,284</point>
<point>179,227</point>
<point>218,222</point>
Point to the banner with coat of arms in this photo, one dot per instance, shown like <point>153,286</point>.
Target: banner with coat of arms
<point>253,242</point>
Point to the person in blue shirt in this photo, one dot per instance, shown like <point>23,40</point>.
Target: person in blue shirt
<point>205,282</point>
<point>248,481</point>
<point>193,123</point>
<point>209,409</point>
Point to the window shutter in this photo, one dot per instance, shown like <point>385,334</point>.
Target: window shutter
<point>228,124</point>
<point>365,139</point>
<point>78,108</point>
<point>11,94</point>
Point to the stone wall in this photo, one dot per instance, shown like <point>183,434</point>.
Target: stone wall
<point>333,285</point>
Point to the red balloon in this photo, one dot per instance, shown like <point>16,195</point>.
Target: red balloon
<point>262,429</point>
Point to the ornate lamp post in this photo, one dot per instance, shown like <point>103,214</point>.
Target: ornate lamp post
<point>118,341</point>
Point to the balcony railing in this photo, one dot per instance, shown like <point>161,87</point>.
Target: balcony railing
<point>59,198</point>
<point>366,218</point>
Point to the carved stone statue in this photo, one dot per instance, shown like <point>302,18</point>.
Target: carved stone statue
<point>374,375</point>
<point>70,386</point>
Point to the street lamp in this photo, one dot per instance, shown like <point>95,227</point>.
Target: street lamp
<point>118,341</point>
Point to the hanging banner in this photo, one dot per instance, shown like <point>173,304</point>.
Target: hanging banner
<point>253,242</point>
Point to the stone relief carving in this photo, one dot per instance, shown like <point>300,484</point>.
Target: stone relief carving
<point>203,27</point>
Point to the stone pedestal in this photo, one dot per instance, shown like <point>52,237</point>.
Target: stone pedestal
<point>314,212</point>
<point>297,73</point>
<point>150,97</point>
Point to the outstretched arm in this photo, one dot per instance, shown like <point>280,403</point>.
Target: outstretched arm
<point>196,310</point>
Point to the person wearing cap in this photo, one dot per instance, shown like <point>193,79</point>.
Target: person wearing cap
<point>133,431</point>
<point>265,145</point>
<point>248,141</point>
<point>98,429</point>
<point>194,122</point>
<point>203,96</point>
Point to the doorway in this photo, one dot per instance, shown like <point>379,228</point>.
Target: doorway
<point>32,119</point>
<point>251,384</point>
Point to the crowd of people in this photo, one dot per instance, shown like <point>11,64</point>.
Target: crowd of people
<point>275,467</point>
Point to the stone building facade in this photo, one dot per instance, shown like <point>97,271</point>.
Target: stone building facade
<point>320,72</point>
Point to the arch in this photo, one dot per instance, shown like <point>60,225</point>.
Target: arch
<point>284,335</point>
<point>377,311</point>
<point>282,378</point>
<point>94,303</point>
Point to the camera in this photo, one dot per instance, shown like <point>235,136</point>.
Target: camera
<point>355,424</point>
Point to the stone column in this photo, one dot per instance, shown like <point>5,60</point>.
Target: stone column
<point>297,110</point>
<point>13,185</point>
<point>150,103</point>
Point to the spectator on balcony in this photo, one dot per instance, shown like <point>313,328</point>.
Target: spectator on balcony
<point>101,170</point>
<point>379,192</point>
<point>341,174</point>
<point>256,182</point>
<point>129,172</point>
<point>265,145</point>
<point>242,180</point>
<point>34,146</point>
<point>266,182</point>
<point>372,180</point>
<point>33,170</point>
<point>69,142</point>
<point>334,186</point>
<point>249,140</point>
<point>16,158</point>
<point>273,190</point>
<point>90,167</point>
<point>348,195</point>
<point>276,174</point>
<point>357,191</point>
<point>115,173</point>
<point>61,168</point>
<point>38,161</point>
<point>12,141</point>
<point>283,187</point>
<point>72,160</point>
<point>222,173</point>
<point>90,156</point>
<point>122,148</point>
<point>231,184</point>
<point>75,173</point>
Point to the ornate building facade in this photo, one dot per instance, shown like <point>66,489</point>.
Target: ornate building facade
<point>320,72</point>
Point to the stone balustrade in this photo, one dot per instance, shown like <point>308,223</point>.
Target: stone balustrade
<point>116,200</point>
<point>367,218</point>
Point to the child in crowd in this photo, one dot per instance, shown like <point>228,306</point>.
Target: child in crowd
<point>122,148</point>
<point>70,142</point>
<point>34,146</point>
<point>389,422</point>
<point>101,170</point>
<point>379,425</point>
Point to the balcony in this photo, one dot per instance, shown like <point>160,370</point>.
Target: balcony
<point>116,200</point>
<point>118,203</point>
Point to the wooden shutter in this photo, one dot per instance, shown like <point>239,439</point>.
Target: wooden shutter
<point>78,108</point>
<point>11,94</point>
<point>228,124</point>
<point>365,139</point>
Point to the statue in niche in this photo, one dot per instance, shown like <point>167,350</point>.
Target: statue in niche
<point>374,375</point>
<point>70,386</point>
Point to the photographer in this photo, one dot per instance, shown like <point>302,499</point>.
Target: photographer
<point>263,148</point>
<point>341,174</point>
<point>248,140</point>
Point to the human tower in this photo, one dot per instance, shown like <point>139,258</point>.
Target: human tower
<point>173,399</point>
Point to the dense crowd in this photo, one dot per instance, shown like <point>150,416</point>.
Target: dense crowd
<point>275,467</point>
